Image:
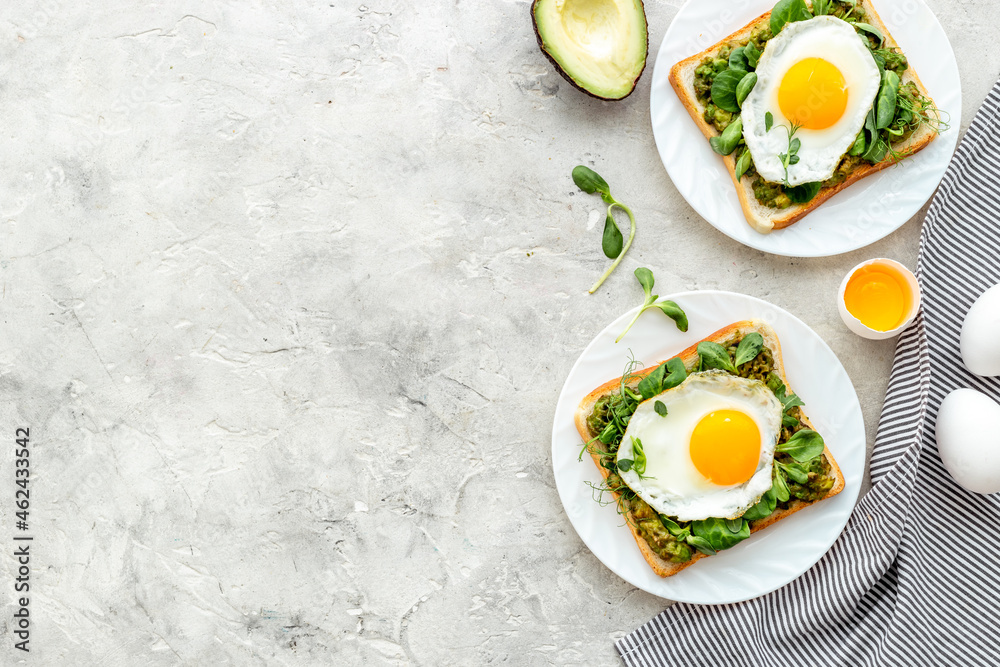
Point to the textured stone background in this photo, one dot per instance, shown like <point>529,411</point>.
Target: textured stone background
<point>289,292</point>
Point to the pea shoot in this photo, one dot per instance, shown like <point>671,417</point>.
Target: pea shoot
<point>669,308</point>
<point>794,144</point>
<point>612,242</point>
<point>726,143</point>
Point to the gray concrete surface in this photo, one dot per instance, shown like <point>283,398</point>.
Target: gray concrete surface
<point>289,292</point>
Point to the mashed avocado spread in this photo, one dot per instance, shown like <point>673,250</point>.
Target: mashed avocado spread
<point>617,407</point>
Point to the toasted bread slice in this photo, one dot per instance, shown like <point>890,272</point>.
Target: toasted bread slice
<point>661,566</point>
<point>760,217</point>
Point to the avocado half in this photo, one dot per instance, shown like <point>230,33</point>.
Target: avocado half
<point>599,46</point>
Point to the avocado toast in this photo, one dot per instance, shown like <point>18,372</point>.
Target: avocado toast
<point>909,120</point>
<point>670,545</point>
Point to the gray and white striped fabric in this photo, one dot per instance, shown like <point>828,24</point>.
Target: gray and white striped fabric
<point>915,577</point>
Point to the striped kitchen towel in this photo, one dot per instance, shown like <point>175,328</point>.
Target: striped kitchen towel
<point>915,577</point>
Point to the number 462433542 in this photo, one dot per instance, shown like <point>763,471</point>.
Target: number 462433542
<point>22,473</point>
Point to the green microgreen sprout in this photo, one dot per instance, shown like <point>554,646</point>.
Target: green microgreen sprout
<point>788,401</point>
<point>640,457</point>
<point>921,113</point>
<point>780,486</point>
<point>803,445</point>
<point>638,461</point>
<point>612,243</point>
<point>789,422</point>
<point>764,507</point>
<point>749,348</point>
<point>793,471</point>
<point>744,163</point>
<point>713,355</point>
<point>623,404</point>
<point>854,5</point>
<point>669,308</point>
<point>792,156</point>
<point>868,30</point>
<point>622,496</point>
<point>794,144</point>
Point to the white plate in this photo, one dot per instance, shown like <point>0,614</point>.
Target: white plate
<point>770,558</point>
<point>863,213</point>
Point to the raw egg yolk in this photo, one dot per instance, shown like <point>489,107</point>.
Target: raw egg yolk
<point>725,447</point>
<point>813,94</point>
<point>877,297</point>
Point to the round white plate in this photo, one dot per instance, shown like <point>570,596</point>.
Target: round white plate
<point>861,214</point>
<point>770,558</point>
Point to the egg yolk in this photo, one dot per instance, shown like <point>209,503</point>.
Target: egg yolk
<point>878,297</point>
<point>813,94</point>
<point>725,447</point>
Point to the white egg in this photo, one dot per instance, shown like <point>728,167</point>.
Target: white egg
<point>968,440</point>
<point>711,455</point>
<point>980,350</point>
<point>818,74</point>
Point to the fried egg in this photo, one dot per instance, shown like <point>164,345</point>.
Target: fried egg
<point>819,75</point>
<point>711,455</point>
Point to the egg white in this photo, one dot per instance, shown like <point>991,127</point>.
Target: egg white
<point>671,484</point>
<point>838,43</point>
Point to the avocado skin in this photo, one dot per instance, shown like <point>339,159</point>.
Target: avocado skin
<point>562,72</point>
